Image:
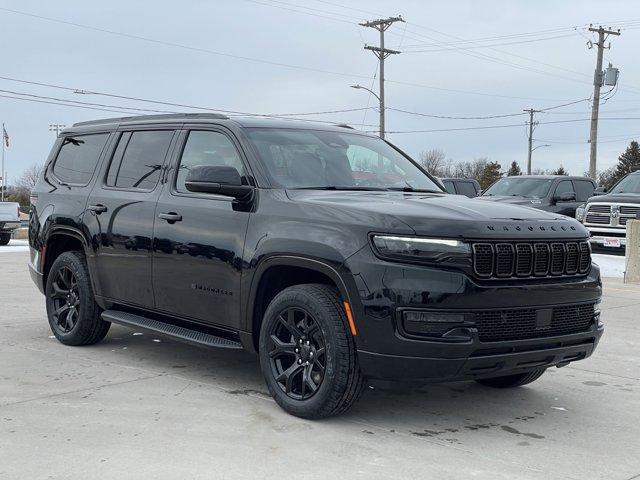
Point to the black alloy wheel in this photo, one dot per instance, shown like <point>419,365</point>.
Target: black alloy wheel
<point>66,299</point>
<point>297,353</point>
<point>72,311</point>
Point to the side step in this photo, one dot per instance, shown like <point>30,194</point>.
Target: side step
<point>180,333</point>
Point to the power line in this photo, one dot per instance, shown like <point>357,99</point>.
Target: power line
<point>160,102</point>
<point>508,125</point>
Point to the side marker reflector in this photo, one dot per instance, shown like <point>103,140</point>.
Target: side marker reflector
<point>352,324</point>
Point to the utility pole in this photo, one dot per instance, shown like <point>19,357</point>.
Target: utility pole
<point>531,111</point>
<point>56,127</point>
<point>382,25</point>
<point>603,34</point>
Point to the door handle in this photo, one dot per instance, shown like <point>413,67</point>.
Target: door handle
<point>170,217</point>
<point>98,209</point>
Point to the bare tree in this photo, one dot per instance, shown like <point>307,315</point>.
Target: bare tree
<point>29,178</point>
<point>433,161</point>
<point>471,169</point>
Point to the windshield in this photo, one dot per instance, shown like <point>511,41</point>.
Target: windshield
<point>629,184</point>
<point>520,187</point>
<point>297,158</point>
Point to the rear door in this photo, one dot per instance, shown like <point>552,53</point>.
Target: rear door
<point>198,237</point>
<point>120,216</point>
<point>584,190</point>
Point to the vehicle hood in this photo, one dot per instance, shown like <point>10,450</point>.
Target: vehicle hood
<point>617,198</point>
<point>443,214</point>
<point>512,199</point>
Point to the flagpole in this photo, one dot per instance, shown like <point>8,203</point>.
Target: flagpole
<point>4,175</point>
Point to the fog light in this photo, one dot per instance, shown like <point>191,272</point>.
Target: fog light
<point>433,324</point>
<point>596,314</point>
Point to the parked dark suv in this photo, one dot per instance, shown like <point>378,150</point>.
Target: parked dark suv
<point>552,193</point>
<point>328,251</point>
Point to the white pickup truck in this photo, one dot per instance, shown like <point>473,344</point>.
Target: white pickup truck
<point>9,220</point>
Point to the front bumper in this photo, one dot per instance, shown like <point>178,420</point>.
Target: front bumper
<point>483,360</point>
<point>384,352</point>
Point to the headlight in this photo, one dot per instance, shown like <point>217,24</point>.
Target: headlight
<point>580,212</point>
<point>421,249</point>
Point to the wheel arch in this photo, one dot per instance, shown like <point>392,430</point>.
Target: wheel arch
<point>59,240</point>
<point>278,272</point>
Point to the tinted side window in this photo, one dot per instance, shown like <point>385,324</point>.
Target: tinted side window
<point>448,186</point>
<point>207,149</point>
<point>78,157</point>
<point>466,188</point>
<point>138,159</point>
<point>584,190</point>
<point>564,186</point>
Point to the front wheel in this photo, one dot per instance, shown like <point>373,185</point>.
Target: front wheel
<point>307,354</point>
<point>510,381</point>
<point>74,316</point>
<point>5,237</point>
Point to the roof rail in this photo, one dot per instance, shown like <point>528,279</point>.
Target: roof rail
<point>344,125</point>
<point>167,116</point>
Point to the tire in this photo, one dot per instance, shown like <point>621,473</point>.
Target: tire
<point>510,381</point>
<point>4,238</point>
<point>74,316</point>
<point>334,369</point>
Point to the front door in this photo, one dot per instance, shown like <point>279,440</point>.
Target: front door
<point>120,215</point>
<point>199,238</point>
<point>568,207</point>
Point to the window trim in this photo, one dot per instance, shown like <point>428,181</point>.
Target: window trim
<point>183,137</point>
<point>130,132</point>
<point>52,165</point>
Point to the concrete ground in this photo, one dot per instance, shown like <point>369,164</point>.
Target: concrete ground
<point>142,406</point>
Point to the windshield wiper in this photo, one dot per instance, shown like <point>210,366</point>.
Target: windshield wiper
<point>411,189</point>
<point>335,187</point>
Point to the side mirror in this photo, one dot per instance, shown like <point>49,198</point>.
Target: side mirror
<point>565,197</point>
<point>600,191</point>
<point>221,180</point>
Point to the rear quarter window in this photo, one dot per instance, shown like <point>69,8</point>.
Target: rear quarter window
<point>78,157</point>
<point>466,188</point>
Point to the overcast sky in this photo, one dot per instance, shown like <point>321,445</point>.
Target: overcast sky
<point>436,74</point>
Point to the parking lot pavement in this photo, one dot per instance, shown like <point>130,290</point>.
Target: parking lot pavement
<point>143,406</point>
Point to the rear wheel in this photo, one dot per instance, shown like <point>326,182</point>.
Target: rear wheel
<point>509,381</point>
<point>307,355</point>
<point>4,238</point>
<point>74,316</point>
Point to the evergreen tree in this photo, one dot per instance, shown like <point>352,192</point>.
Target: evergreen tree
<point>489,175</point>
<point>514,169</point>
<point>559,171</point>
<point>628,162</point>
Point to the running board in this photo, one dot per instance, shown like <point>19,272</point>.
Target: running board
<point>180,333</point>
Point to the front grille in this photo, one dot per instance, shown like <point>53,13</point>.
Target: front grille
<point>524,323</point>
<point>600,219</point>
<point>629,210</point>
<point>600,208</point>
<point>524,260</point>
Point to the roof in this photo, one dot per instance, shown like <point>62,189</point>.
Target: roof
<point>264,122</point>
<point>552,177</point>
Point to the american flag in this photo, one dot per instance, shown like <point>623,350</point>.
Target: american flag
<point>5,136</point>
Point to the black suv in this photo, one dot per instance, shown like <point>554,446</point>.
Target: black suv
<point>552,193</point>
<point>328,251</point>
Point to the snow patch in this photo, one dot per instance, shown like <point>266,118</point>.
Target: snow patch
<point>610,265</point>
